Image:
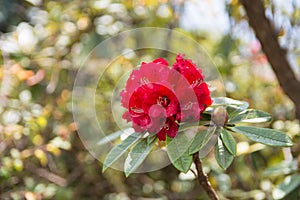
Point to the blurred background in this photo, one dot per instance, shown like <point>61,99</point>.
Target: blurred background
<point>42,45</point>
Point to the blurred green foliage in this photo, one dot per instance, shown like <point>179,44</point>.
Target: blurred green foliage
<point>42,44</point>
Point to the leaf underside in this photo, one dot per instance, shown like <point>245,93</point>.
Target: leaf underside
<point>119,150</point>
<point>251,116</point>
<point>137,155</point>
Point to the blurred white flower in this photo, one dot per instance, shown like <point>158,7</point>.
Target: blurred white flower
<point>26,37</point>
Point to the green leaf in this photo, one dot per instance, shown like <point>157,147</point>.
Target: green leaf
<point>117,151</point>
<point>211,130</point>
<point>185,126</point>
<point>289,184</point>
<point>197,142</point>
<point>294,195</point>
<point>228,101</point>
<point>282,168</point>
<point>233,110</point>
<point>184,163</point>
<point>222,155</point>
<point>264,135</point>
<point>251,116</point>
<point>228,141</point>
<point>151,138</point>
<point>137,155</point>
<point>209,140</point>
<point>205,116</point>
<point>111,137</point>
<point>177,149</point>
<point>233,106</point>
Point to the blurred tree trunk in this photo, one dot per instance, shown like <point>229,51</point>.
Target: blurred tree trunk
<point>266,34</point>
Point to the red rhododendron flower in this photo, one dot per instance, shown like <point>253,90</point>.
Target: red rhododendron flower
<point>158,98</point>
<point>194,76</point>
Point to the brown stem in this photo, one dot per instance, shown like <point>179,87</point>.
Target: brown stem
<point>203,179</point>
<point>266,34</point>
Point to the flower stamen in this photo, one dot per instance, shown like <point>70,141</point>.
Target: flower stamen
<point>197,83</point>
<point>136,110</point>
<point>163,100</point>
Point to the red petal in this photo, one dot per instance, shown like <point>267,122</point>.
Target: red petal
<point>173,128</point>
<point>162,135</point>
<point>161,61</point>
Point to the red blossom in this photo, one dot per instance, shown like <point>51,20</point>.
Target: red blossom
<point>158,98</point>
<point>188,69</point>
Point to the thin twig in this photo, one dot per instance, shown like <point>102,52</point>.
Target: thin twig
<point>54,178</point>
<point>203,179</point>
<point>195,174</point>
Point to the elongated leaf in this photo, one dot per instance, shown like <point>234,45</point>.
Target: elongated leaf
<point>211,130</point>
<point>228,101</point>
<point>282,168</point>
<point>112,137</point>
<point>151,138</point>
<point>119,150</point>
<point>228,141</point>
<point>188,125</point>
<point>293,195</point>
<point>264,135</point>
<point>209,140</point>
<point>197,142</point>
<point>137,155</point>
<point>251,116</point>
<point>205,116</point>
<point>222,155</point>
<point>290,184</point>
<point>184,163</point>
<point>233,106</point>
<point>177,148</point>
<point>233,110</point>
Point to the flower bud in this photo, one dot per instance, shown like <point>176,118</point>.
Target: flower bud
<point>220,116</point>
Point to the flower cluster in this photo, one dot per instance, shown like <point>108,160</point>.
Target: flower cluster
<point>158,98</point>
